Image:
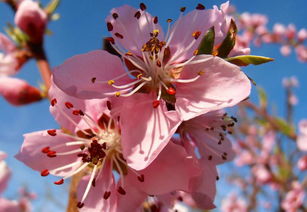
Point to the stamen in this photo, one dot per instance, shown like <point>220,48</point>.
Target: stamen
<point>45,150</point>
<point>141,178</point>
<point>51,132</point>
<point>137,15</point>
<point>122,176</point>
<point>115,15</point>
<point>109,26</point>
<point>186,80</point>
<point>200,7</point>
<point>51,154</point>
<point>155,20</point>
<point>120,36</point>
<point>59,182</point>
<point>121,190</point>
<point>88,187</point>
<point>110,39</point>
<point>182,9</point>
<point>76,171</point>
<point>155,103</point>
<point>196,34</point>
<point>171,91</point>
<point>134,90</point>
<point>69,152</point>
<point>143,6</point>
<point>126,85</point>
<point>69,105</point>
<point>80,204</point>
<point>44,173</point>
<point>53,102</point>
<point>106,194</point>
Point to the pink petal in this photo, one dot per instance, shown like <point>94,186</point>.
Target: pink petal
<point>302,137</point>
<point>95,200</point>
<point>221,85</point>
<point>76,75</point>
<point>135,32</point>
<point>5,175</point>
<point>31,19</point>
<point>31,152</point>
<point>18,92</point>
<point>9,205</point>
<point>145,130</point>
<point>193,22</point>
<point>93,108</point>
<point>171,170</point>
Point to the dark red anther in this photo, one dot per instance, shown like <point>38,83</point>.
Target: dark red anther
<point>51,132</point>
<point>51,154</point>
<point>104,145</point>
<point>69,105</point>
<point>46,149</point>
<point>111,40</point>
<point>93,79</point>
<point>217,177</point>
<point>53,102</point>
<point>137,15</point>
<point>45,173</point>
<point>143,6</point>
<point>59,182</point>
<point>115,15</point>
<point>77,112</point>
<point>120,36</point>
<point>121,190</point>
<point>109,26</point>
<point>94,182</point>
<point>106,195</point>
<point>155,20</point>
<point>210,157</point>
<point>80,204</point>
<point>200,7</point>
<point>171,91</point>
<point>155,103</point>
<point>182,9</point>
<point>141,178</point>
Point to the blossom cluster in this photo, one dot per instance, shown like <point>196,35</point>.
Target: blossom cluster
<point>144,126</point>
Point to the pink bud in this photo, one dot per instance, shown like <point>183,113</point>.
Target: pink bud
<point>18,92</point>
<point>31,19</point>
<point>302,163</point>
<point>302,34</point>
<point>285,50</point>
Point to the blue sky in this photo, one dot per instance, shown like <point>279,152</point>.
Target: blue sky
<point>81,29</point>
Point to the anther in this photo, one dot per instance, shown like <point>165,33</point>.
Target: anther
<point>143,6</point>
<point>109,26</point>
<point>182,9</point>
<point>94,182</point>
<point>78,112</point>
<point>224,157</point>
<point>69,105</point>
<point>93,79</point>
<point>169,20</point>
<point>51,132</point>
<point>141,178</point>
<point>200,73</point>
<point>110,39</point>
<point>106,195</point>
<point>180,199</point>
<point>128,54</point>
<point>121,190</point>
<point>155,103</point>
<point>200,7</point>
<point>195,52</point>
<point>158,63</point>
<point>51,154</point>
<point>44,173</point>
<point>46,149</point>
<point>155,20</point>
<point>115,15</point>
<point>119,35</point>
<point>234,119</point>
<point>104,145</point>
<point>53,102</point>
<point>80,204</point>
<point>171,91</point>
<point>117,94</point>
<point>59,182</point>
<point>217,177</point>
<point>111,82</point>
<point>139,76</point>
<point>137,15</point>
<point>196,34</point>
<point>210,157</point>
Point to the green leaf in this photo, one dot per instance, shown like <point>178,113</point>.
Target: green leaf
<point>283,126</point>
<point>207,43</point>
<point>229,41</point>
<point>51,7</point>
<point>244,60</point>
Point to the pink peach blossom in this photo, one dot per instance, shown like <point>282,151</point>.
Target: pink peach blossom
<point>232,203</point>
<point>95,145</point>
<point>302,163</point>
<point>31,19</point>
<point>294,198</point>
<point>18,92</point>
<point>302,35</point>
<point>285,50</point>
<point>302,137</point>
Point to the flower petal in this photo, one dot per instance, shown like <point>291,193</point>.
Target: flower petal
<point>86,76</point>
<point>31,152</point>
<point>135,32</point>
<point>220,85</point>
<point>145,130</point>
